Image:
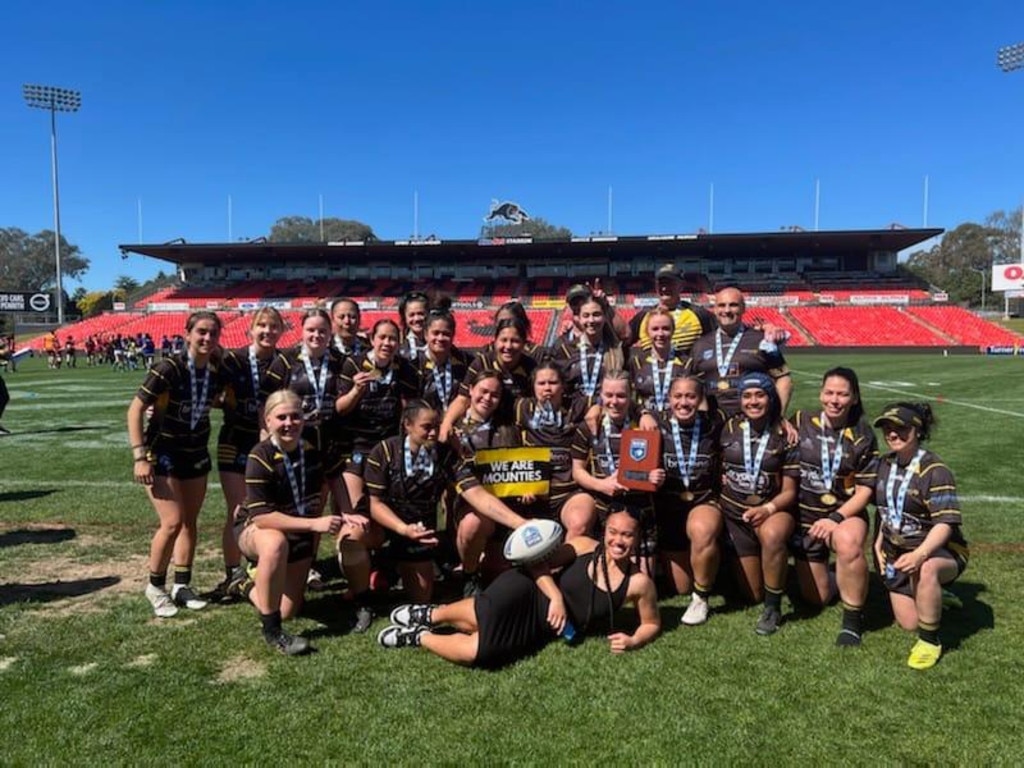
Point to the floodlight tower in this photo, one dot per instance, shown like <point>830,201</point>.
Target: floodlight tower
<point>1011,58</point>
<point>56,100</point>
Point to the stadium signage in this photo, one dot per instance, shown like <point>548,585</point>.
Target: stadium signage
<point>168,306</point>
<point>1007,277</point>
<point>25,302</point>
<point>861,300</point>
<point>1002,350</point>
<point>258,304</point>
<point>507,211</point>
<point>505,241</point>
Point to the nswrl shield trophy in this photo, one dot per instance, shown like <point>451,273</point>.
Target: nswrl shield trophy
<point>640,453</point>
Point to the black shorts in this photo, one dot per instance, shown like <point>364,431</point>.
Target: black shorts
<point>671,512</point>
<point>233,446</point>
<point>300,545</point>
<point>742,538</point>
<point>182,466</point>
<point>899,582</point>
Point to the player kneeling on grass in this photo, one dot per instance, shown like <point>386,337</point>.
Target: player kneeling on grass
<point>518,613</point>
<point>278,524</point>
<point>920,546</point>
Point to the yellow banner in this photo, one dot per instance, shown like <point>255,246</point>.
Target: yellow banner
<point>507,472</point>
<point>547,303</point>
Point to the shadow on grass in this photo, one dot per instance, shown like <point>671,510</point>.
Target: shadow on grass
<point>38,493</point>
<point>58,430</point>
<point>958,624</point>
<point>35,535</point>
<point>53,590</point>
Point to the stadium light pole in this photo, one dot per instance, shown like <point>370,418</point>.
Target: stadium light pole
<point>1010,58</point>
<point>56,100</point>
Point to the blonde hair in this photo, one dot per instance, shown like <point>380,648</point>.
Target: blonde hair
<point>282,397</point>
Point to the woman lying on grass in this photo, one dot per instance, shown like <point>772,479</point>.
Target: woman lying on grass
<point>516,615</point>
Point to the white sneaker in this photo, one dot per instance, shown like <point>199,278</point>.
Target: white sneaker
<point>184,597</point>
<point>162,604</point>
<point>696,612</point>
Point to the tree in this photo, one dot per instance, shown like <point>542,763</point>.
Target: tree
<point>126,284</point>
<point>957,262</point>
<point>27,261</point>
<point>535,227</point>
<point>1005,228</point>
<point>302,229</point>
<point>93,303</point>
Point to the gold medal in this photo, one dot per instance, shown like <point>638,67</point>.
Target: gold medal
<point>723,384</point>
<point>375,373</point>
<point>828,499</point>
<point>686,495</point>
<point>752,500</point>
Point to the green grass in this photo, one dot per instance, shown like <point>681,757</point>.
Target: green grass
<point>92,678</point>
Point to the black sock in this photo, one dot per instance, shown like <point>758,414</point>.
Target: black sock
<point>230,569</point>
<point>928,632</point>
<point>773,599</point>
<point>853,619</point>
<point>271,623</point>
<point>158,580</point>
<point>182,574</point>
<point>701,591</point>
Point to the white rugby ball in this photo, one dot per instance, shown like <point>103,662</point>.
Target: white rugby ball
<point>533,541</point>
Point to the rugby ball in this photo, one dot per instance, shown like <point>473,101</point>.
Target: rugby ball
<point>533,541</point>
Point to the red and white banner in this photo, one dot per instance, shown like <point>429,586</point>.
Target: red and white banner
<point>1007,277</point>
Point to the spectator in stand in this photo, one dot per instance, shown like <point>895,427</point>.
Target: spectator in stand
<point>725,355</point>
<point>689,320</point>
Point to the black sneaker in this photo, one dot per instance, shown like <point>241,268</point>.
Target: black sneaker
<point>395,636</point>
<point>229,590</point>
<point>847,638</point>
<point>412,615</point>
<point>184,597</point>
<point>769,622</point>
<point>363,620</point>
<point>289,645</point>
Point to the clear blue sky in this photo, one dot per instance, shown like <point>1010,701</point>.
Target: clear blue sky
<point>547,104</point>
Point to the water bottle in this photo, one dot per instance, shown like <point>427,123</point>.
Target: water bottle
<point>568,633</point>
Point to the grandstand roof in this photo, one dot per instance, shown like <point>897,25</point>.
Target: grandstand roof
<point>785,243</point>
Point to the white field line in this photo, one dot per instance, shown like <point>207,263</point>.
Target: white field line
<point>923,396</point>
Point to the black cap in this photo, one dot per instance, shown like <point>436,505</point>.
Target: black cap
<point>901,416</point>
<point>578,294</point>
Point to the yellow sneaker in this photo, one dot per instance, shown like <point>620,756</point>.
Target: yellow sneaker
<point>924,655</point>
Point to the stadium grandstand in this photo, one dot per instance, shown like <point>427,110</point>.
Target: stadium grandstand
<point>828,289</point>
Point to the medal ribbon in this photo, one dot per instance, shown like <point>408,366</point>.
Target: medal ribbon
<point>339,345</point>
<point>385,378</point>
<point>590,376</point>
<point>198,396</point>
<point>608,457</point>
<point>420,463</point>
<point>830,465</point>
<point>443,382</point>
<point>662,379</point>
<point>723,364</point>
<point>545,415</point>
<point>686,465</point>
<point>895,505</point>
<point>254,372</point>
<point>319,385</point>
<point>296,480</point>
<point>753,465</point>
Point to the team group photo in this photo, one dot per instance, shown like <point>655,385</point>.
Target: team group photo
<point>681,427</point>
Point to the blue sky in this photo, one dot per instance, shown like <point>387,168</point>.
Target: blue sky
<point>187,103</point>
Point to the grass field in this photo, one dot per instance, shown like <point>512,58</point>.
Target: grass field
<point>88,677</point>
